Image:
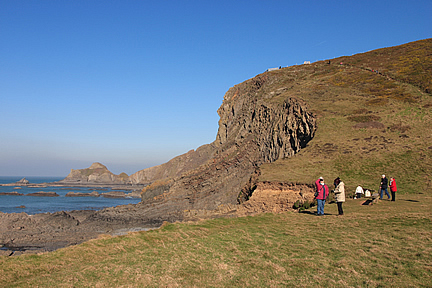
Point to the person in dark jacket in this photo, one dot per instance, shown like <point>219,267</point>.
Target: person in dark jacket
<point>383,187</point>
<point>393,188</point>
<point>321,195</point>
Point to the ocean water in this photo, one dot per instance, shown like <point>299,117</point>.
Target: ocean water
<point>34,204</point>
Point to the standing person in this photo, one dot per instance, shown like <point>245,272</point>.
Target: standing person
<point>383,187</point>
<point>321,195</point>
<point>359,192</point>
<point>393,188</point>
<point>339,194</point>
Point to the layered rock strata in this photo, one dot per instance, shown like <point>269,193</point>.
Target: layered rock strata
<point>253,130</point>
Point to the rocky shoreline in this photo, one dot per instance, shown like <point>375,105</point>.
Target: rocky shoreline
<point>22,233</point>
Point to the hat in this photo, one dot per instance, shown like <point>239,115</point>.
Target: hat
<point>321,178</point>
<point>383,175</point>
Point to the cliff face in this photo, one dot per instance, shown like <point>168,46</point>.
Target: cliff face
<point>253,130</point>
<point>278,129</point>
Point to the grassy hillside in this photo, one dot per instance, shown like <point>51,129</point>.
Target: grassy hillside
<point>374,117</point>
<point>385,245</point>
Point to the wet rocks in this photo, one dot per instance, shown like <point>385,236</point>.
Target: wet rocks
<point>114,194</point>
<point>80,194</point>
<point>13,193</point>
<point>43,194</point>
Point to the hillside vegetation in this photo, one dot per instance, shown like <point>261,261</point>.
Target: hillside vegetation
<point>374,117</point>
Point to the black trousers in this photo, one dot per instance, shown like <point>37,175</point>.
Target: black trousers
<point>393,196</point>
<point>340,210</point>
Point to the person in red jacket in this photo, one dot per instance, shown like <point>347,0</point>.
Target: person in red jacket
<point>321,194</point>
<point>393,188</point>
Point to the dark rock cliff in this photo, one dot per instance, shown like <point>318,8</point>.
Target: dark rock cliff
<point>253,130</point>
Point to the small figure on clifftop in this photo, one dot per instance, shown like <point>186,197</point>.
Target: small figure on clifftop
<point>393,188</point>
<point>339,194</point>
<point>383,187</point>
<point>321,194</point>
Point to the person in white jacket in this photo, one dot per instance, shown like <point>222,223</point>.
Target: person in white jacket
<point>339,194</point>
<point>359,192</point>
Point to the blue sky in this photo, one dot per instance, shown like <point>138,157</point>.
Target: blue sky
<point>132,84</point>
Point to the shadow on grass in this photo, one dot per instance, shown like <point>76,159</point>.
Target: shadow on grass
<point>314,213</point>
<point>409,200</point>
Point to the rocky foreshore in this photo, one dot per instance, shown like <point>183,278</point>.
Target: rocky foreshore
<point>23,233</point>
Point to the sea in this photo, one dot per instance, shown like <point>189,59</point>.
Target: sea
<point>36,204</point>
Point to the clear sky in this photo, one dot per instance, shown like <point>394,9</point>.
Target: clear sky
<point>131,84</point>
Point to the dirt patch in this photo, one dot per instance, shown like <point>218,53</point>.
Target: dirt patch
<point>275,197</point>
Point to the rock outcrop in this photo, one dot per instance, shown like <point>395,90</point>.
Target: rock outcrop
<point>43,194</point>
<point>22,182</point>
<point>80,194</point>
<point>254,129</point>
<point>95,174</point>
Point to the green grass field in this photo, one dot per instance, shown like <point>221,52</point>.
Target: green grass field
<point>388,244</point>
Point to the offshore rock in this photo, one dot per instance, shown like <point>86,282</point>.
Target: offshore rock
<point>80,194</point>
<point>95,174</point>
<point>22,182</point>
<point>43,194</point>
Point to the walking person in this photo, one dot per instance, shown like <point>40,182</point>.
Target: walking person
<point>339,194</point>
<point>383,187</point>
<point>321,194</point>
<point>393,188</point>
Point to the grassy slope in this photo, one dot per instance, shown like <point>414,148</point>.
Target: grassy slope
<point>385,245</point>
<point>345,95</point>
